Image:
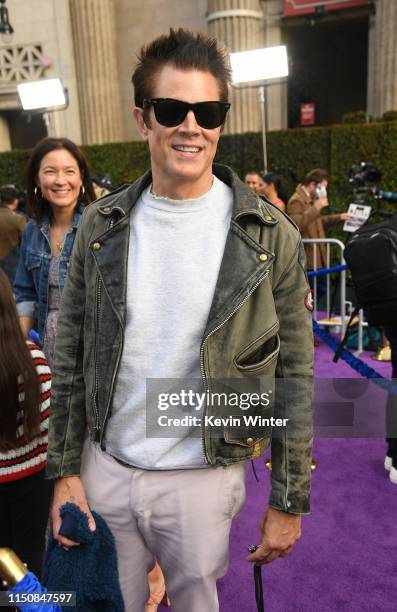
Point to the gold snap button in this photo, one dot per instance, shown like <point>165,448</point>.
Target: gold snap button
<point>250,441</point>
<point>96,246</point>
<point>107,209</point>
<point>263,257</point>
<point>268,218</point>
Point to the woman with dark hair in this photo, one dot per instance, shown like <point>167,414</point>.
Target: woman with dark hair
<point>58,187</point>
<point>25,387</point>
<point>271,189</point>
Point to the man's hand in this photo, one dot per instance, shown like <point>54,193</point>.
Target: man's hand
<point>344,216</point>
<point>280,531</point>
<point>69,489</point>
<point>321,203</point>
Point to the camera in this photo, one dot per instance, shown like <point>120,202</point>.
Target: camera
<point>364,174</point>
<point>363,177</point>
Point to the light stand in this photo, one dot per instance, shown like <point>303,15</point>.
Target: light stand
<point>259,68</point>
<point>262,102</point>
<point>43,97</point>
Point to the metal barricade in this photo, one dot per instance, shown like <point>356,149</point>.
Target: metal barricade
<point>346,307</point>
<point>361,324</point>
<point>329,321</point>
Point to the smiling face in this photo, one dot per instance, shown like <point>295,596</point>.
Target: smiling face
<point>252,180</point>
<point>59,179</point>
<point>181,156</point>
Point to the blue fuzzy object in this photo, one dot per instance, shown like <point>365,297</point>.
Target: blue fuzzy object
<point>90,569</point>
<point>30,585</point>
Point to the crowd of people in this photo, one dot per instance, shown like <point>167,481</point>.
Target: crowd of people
<point>167,278</point>
<point>266,184</point>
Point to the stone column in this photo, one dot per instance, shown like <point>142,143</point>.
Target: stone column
<point>382,59</point>
<point>5,140</point>
<point>276,95</point>
<point>94,39</point>
<point>250,24</point>
<point>238,24</point>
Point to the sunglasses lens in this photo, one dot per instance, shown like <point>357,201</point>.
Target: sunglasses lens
<point>170,112</point>
<point>210,115</point>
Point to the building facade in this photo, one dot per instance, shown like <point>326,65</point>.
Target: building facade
<point>91,45</point>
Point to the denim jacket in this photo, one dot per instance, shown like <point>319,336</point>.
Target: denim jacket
<point>31,280</point>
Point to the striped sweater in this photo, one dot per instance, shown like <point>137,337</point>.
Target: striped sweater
<point>29,457</point>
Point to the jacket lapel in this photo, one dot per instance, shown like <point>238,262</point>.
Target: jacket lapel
<point>240,270</point>
<point>110,243</point>
<point>244,261</point>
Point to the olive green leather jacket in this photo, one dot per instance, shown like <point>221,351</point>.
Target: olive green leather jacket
<point>258,327</point>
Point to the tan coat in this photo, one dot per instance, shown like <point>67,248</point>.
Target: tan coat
<point>311,223</point>
<point>11,227</point>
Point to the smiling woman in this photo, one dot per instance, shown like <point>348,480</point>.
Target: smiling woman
<point>58,188</point>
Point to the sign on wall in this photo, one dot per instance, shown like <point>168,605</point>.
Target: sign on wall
<point>293,8</point>
<point>308,113</point>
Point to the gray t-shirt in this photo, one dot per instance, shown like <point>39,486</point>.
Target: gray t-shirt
<point>175,253</point>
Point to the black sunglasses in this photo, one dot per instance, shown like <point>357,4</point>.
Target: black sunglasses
<point>170,112</point>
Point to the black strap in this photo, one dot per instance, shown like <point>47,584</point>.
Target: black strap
<point>342,345</point>
<point>258,588</point>
<point>254,471</point>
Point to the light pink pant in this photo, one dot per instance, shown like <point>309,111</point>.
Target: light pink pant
<point>182,518</point>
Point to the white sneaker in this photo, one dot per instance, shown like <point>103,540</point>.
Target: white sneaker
<point>388,463</point>
<point>393,475</point>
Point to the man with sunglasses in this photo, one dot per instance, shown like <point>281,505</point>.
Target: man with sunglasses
<point>185,275</point>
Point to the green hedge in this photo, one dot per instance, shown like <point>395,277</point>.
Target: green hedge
<point>351,144</point>
<point>124,161</point>
<point>291,153</point>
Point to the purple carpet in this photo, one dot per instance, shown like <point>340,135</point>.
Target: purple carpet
<point>347,556</point>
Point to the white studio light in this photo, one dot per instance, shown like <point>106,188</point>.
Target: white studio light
<point>259,65</point>
<point>44,94</point>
